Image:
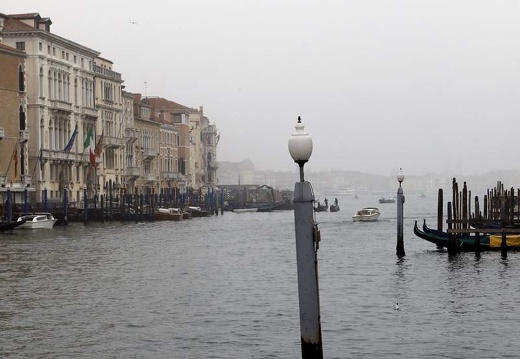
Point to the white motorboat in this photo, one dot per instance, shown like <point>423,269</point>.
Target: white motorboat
<point>367,214</point>
<point>244,210</point>
<point>38,220</point>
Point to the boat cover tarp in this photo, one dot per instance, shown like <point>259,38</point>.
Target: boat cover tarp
<point>512,240</point>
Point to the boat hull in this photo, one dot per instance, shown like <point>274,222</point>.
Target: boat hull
<point>245,210</point>
<point>467,243</point>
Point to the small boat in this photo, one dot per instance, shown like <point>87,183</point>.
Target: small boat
<point>387,200</point>
<point>38,221</point>
<point>198,212</point>
<point>467,243</point>
<point>334,207</point>
<point>245,210</point>
<point>9,226</point>
<point>367,214</point>
<point>322,207</point>
<point>168,214</point>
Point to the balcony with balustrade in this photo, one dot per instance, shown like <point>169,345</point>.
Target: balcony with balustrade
<point>108,74</point>
<point>131,134</point>
<point>149,154</point>
<point>171,175</point>
<point>64,156</point>
<point>113,142</point>
<point>60,106</point>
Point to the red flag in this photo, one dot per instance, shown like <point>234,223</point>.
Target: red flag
<point>99,146</point>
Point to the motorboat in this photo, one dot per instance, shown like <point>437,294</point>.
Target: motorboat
<point>245,210</point>
<point>367,214</point>
<point>37,220</point>
<point>168,214</point>
<point>198,212</point>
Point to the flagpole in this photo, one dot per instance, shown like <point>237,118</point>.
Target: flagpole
<point>38,159</point>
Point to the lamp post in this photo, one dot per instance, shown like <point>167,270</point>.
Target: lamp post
<point>307,238</point>
<point>400,202</point>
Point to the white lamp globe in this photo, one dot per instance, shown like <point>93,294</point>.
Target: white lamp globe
<point>300,144</point>
<point>400,175</point>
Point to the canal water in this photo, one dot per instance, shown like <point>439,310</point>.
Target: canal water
<point>226,287</point>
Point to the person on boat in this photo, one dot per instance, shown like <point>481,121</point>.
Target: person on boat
<point>336,201</point>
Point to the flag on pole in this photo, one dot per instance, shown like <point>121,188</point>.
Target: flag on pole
<point>89,144</point>
<point>99,146</point>
<point>71,141</point>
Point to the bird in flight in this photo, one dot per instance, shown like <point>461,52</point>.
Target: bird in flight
<point>133,22</point>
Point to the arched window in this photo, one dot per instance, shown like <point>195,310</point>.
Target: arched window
<point>21,117</point>
<point>21,78</point>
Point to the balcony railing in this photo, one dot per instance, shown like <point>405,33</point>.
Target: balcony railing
<point>56,155</point>
<point>114,142</point>
<point>170,175</point>
<point>60,105</point>
<point>131,134</point>
<point>133,171</point>
<point>149,177</point>
<point>149,153</point>
<point>89,111</point>
<point>107,73</point>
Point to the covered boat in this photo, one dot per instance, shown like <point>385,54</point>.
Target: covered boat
<point>42,220</point>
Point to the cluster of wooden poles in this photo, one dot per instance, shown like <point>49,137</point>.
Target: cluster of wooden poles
<point>499,214</point>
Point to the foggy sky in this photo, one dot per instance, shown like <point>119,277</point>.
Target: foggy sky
<point>430,86</point>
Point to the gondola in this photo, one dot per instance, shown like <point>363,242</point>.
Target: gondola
<point>8,226</point>
<point>334,207</point>
<point>467,243</point>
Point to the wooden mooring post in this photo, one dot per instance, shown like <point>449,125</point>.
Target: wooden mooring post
<point>501,215</point>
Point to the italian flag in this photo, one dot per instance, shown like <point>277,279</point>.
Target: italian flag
<point>89,143</point>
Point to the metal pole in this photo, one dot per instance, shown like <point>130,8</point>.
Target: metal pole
<point>400,202</point>
<point>307,264</point>
<point>25,201</point>
<point>65,205</point>
<point>85,205</point>
<point>45,202</point>
<point>8,205</point>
